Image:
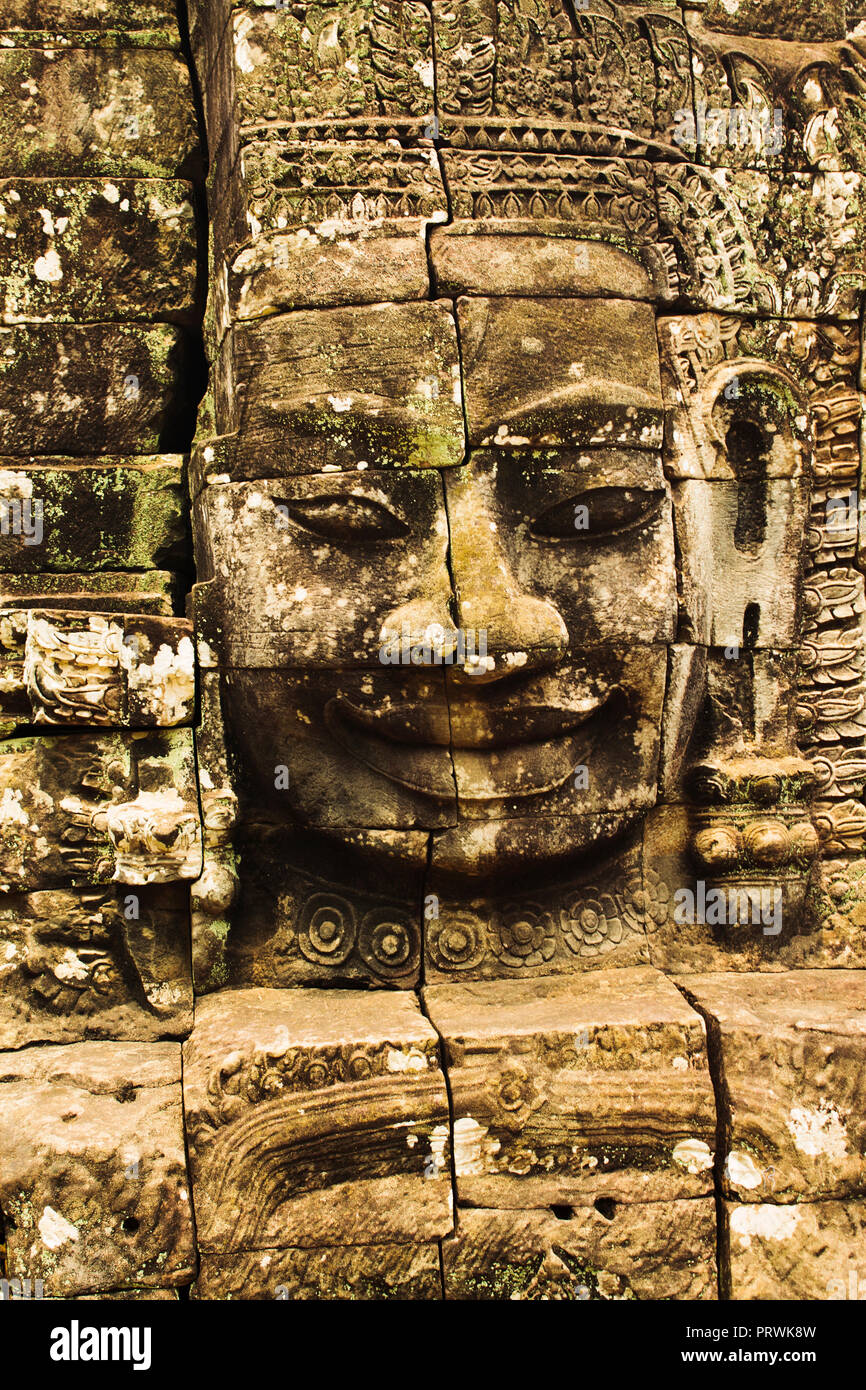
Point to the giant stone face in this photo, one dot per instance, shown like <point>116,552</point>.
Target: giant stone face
<point>501,492</point>
<point>505,772</point>
<point>442,635</point>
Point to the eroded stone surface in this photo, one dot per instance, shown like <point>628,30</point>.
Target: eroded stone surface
<point>129,1296</point>
<point>97,389</point>
<point>302,915</point>
<point>377,385</point>
<point>357,1272</point>
<point>94,1187</point>
<point>91,964</point>
<point>95,111</point>
<point>88,14</point>
<point>323,605</point>
<point>494,63</point>
<point>316,225</point>
<point>567,1091</point>
<point>721,908</point>
<point>581,378</point>
<point>139,232</point>
<point>113,591</point>
<point>824,20</point>
<point>613,1250</point>
<point>92,669</point>
<point>98,809</point>
<point>316,65</point>
<point>791,1068</point>
<point>91,514</point>
<point>586,921</point>
<point>813,1250</point>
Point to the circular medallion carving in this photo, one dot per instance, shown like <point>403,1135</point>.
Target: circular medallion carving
<point>456,943</point>
<point>591,921</point>
<point>388,943</point>
<point>645,901</point>
<point>326,929</point>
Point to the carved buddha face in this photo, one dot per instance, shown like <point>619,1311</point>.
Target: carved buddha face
<point>445,592</point>
<point>430,636</point>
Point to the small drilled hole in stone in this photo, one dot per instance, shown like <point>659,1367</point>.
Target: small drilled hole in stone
<point>563,1213</point>
<point>751,625</point>
<point>129,1224</point>
<point>606,1206</point>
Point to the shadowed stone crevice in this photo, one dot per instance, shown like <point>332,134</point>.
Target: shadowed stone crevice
<point>443,1055</point>
<point>722,1142</point>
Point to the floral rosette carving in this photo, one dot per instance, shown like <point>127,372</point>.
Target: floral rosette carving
<point>646,901</point>
<point>389,943</point>
<point>457,942</point>
<point>326,929</point>
<point>515,1097</point>
<point>522,937</point>
<point>591,922</point>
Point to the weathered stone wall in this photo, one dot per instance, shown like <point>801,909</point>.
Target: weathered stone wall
<point>443,875</point>
<point>100,817</point>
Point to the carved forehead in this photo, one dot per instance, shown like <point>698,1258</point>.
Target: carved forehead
<point>384,386</point>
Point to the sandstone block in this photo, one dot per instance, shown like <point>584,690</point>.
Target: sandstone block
<point>97,389</point>
<point>810,1251</point>
<point>67,514</point>
<point>93,1174</point>
<point>90,964</point>
<point>301,225</point>
<point>315,1119</point>
<point>99,111</point>
<point>791,1058</point>
<point>635,1250</point>
<point>107,591</point>
<point>553,372</point>
<point>93,250</point>
<point>378,385</point>
<point>566,1091</point>
<point>96,809</point>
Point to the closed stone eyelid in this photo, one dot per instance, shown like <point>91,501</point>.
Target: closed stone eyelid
<point>569,507</point>
<point>313,514</point>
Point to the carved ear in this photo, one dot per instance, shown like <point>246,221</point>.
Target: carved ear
<point>756,420</point>
<point>741,515</point>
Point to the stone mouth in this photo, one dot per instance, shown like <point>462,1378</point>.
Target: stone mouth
<point>478,754</point>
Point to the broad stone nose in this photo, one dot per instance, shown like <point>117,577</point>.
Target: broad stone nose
<point>511,629</point>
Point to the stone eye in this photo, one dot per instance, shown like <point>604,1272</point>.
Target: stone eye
<point>347,518</point>
<point>599,512</point>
